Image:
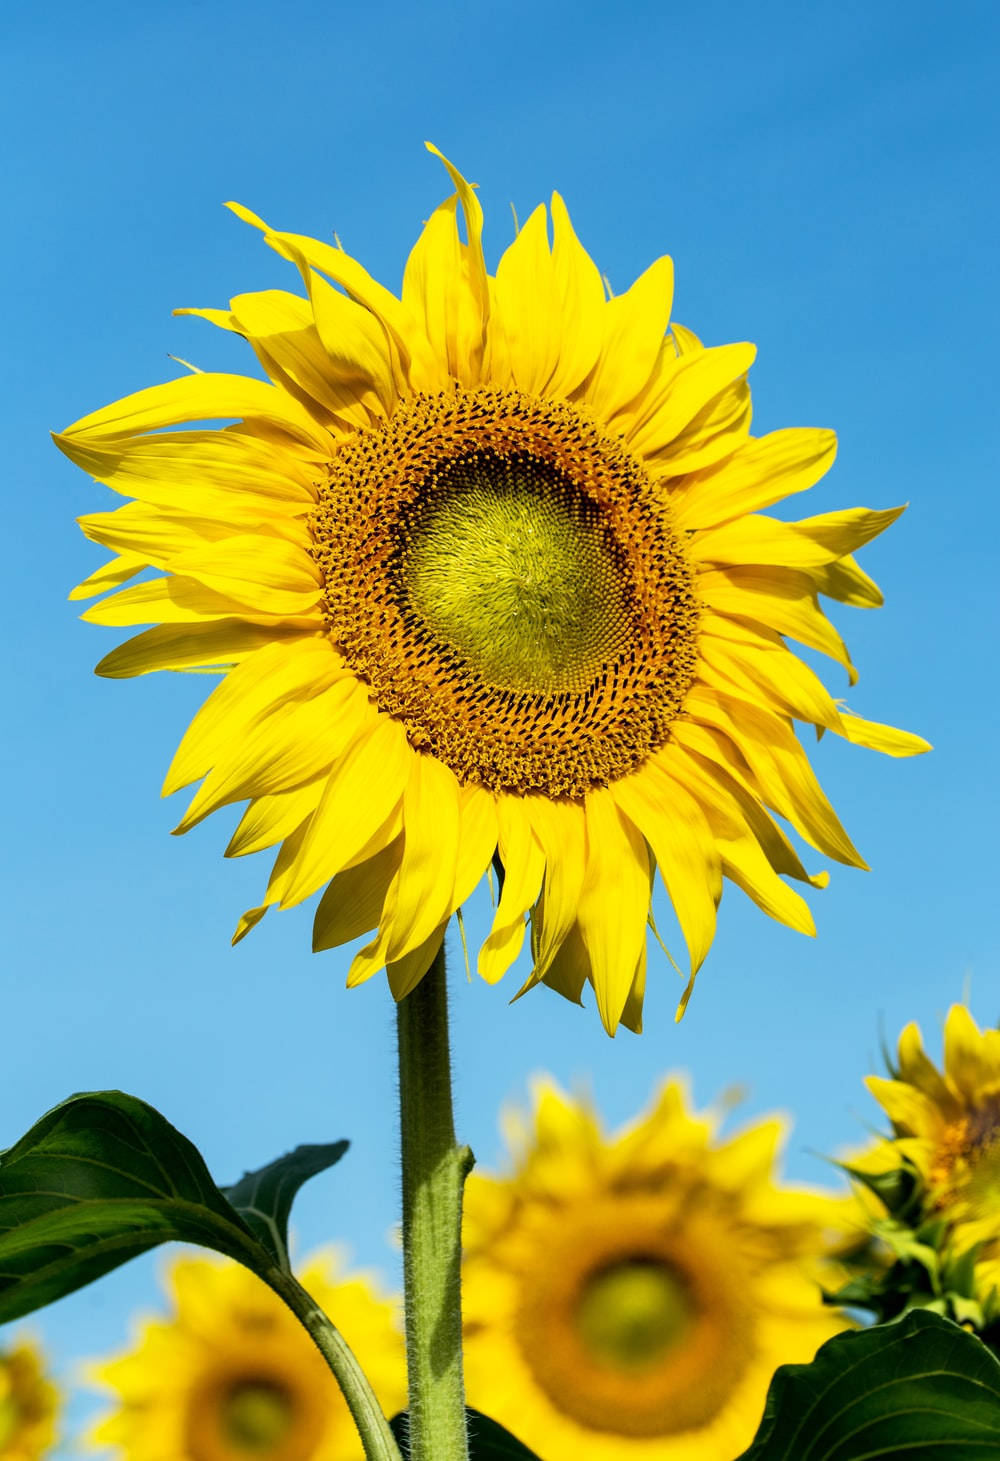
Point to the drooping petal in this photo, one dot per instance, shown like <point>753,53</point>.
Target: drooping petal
<point>614,904</point>
<point>524,866</point>
<point>364,788</point>
<point>681,840</point>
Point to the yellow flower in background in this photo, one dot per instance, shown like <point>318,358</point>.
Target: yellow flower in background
<point>631,1296</point>
<point>232,1376</point>
<point>947,1125</point>
<point>28,1404</point>
<point>485,571</point>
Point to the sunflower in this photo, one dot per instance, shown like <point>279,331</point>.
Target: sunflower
<point>946,1127</point>
<point>28,1404</point>
<point>632,1296</point>
<point>232,1376</point>
<point>484,571</point>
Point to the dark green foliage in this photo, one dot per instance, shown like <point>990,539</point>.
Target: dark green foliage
<point>920,1389</point>
<point>104,1177</point>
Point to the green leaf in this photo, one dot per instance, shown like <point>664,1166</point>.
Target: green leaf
<point>104,1177</point>
<point>264,1198</point>
<point>488,1441</point>
<point>919,1389</point>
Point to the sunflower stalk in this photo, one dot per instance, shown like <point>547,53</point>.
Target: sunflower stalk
<point>373,1428</point>
<point>434,1173</point>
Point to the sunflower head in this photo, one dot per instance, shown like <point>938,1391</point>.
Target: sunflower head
<point>484,570</point>
<point>631,1296</point>
<point>946,1129</point>
<point>230,1375</point>
<point>29,1404</point>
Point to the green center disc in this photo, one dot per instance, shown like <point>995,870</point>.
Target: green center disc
<point>257,1416</point>
<point>509,566</point>
<point>631,1314</point>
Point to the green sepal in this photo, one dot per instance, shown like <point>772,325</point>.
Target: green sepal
<point>919,1388</point>
<point>104,1177</point>
<point>896,1189</point>
<point>488,1440</point>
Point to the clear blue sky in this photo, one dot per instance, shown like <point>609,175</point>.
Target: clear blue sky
<point>825,178</point>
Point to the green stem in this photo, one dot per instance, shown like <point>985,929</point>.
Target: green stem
<point>434,1171</point>
<point>376,1437</point>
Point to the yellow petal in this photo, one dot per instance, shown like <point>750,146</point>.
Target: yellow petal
<point>445,284</point>
<point>220,643</point>
<point>676,829</point>
<point>202,397</point>
<point>550,304</point>
<point>781,599</point>
<point>267,575</point>
<point>109,575</point>
<point>177,600</point>
<point>569,968</point>
<point>707,762</point>
<point>634,326</point>
<point>219,470</point>
<point>614,904</point>
<point>808,544</point>
<point>580,305</point>
<point>908,1108</point>
<point>406,973</point>
<point>262,684</point>
<point>884,738</point>
<point>687,385</point>
<point>421,897</point>
<point>352,904</point>
<point>270,819</point>
<point>846,582</point>
<point>293,343</point>
<point>971,1060</point>
<point>762,471</point>
<point>477,839</point>
<point>745,864</point>
<point>363,790</point>
<point>524,866</point>
<point>755,669</point>
<point>284,748</point>
<point>560,827</point>
<point>632,1013</point>
<point>780,767</point>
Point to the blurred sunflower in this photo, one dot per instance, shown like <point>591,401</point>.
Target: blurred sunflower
<point>28,1404</point>
<point>946,1127</point>
<point>232,1376</point>
<point>485,571</point>
<point>631,1297</point>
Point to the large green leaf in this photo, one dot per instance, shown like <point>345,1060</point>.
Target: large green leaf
<point>488,1441</point>
<point>104,1177</point>
<point>919,1389</point>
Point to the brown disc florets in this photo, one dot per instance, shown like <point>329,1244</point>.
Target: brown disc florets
<point>509,581</point>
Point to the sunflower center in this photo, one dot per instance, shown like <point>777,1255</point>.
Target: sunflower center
<point>510,583</point>
<point>256,1416</point>
<point>511,568</point>
<point>968,1158</point>
<point>630,1315</point>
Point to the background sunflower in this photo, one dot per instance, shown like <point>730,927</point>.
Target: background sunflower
<point>230,1374</point>
<point>632,1295</point>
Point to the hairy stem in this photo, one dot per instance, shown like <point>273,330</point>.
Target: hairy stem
<point>434,1171</point>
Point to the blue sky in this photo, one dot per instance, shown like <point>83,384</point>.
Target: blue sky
<point>824,178</point>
